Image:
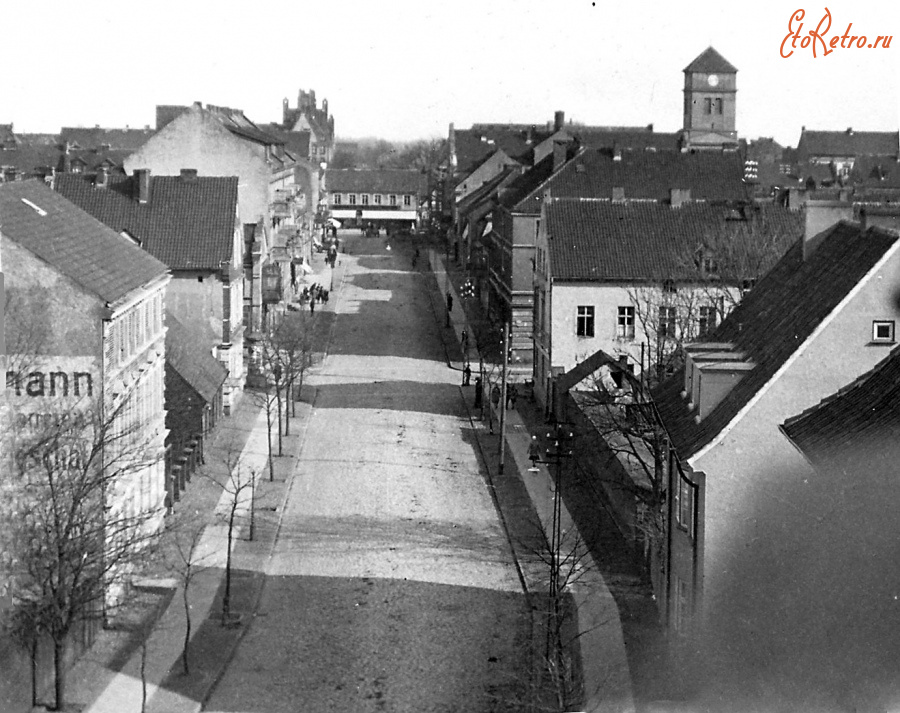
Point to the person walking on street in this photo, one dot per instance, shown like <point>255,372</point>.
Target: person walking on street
<point>512,393</point>
<point>312,303</point>
<point>449,306</point>
<point>478,393</point>
<point>467,375</point>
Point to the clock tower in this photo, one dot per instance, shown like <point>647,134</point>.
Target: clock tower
<point>710,91</point>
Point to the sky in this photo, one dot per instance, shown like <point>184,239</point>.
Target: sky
<point>405,69</point>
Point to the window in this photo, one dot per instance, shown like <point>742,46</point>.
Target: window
<point>719,105</point>
<point>377,199</point>
<point>667,317</point>
<point>684,503</point>
<point>393,200</point>
<point>537,228</point>
<point>707,321</point>
<point>365,199</point>
<point>883,331</point>
<point>748,284</point>
<point>352,199</point>
<point>407,200</point>
<point>337,199</point>
<point>707,105</point>
<point>669,287</point>
<point>625,325</point>
<point>585,323</point>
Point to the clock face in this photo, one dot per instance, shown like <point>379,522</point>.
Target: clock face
<point>713,80</point>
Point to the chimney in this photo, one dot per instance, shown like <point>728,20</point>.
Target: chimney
<point>189,175</point>
<point>325,107</point>
<point>559,120</point>
<point>141,185</point>
<point>820,216</point>
<point>849,131</point>
<point>101,180</point>
<point>529,135</point>
<point>882,216</point>
<point>559,154</point>
<point>679,196</point>
<point>618,194</point>
<point>796,198</point>
<point>616,151</point>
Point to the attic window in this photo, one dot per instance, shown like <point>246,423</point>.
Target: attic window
<point>579,168</point>
<point>883,331</point>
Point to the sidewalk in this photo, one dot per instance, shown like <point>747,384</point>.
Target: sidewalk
<point>101,682</point>
<point>606,680</point>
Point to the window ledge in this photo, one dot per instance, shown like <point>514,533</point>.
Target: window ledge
<point>882,343</point>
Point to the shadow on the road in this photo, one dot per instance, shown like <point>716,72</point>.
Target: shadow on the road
<point>411,396</point>
<point>357,643</point>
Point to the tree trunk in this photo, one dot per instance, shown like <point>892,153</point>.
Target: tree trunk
<point>226,598</point>
<point>269,435</point>
<point>59,672</point>
<point>34,655</point>
<point>187,622</point>
<point>278,401</point>
<point>287,406</point>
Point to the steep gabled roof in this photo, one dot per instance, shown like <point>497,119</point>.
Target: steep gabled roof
<point>187,223</point>
<point>625,139</point>
<point>848,143</point>
<point>645,175</point>
<point>865,411</point>
<point>773,320</point>
<point>73,242</point>
<point>709,61</point>
<point>297,142</point>
<point>487,192</point>
<point>526,184</point>
<point>364,180</point>
<point>191,361</point>
<point>599,240</point>
<point>474,146</point>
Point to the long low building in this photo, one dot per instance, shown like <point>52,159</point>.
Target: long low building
<point>383,197</point>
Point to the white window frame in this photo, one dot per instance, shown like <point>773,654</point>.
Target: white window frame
<point>889,328</point>
<point>625,322</point>
<point>585,320</point>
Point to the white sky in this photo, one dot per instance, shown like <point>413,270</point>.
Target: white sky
<point>404,69</point>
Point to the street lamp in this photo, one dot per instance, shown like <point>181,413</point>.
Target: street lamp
<point>557,450</point>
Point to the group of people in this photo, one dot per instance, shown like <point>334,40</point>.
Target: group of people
<point>314,293</point>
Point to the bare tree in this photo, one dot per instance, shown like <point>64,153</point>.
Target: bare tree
<point>186,562</point>
<point>76,533</point>
<point>240,488</point>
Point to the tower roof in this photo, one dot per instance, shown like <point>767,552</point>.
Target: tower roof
<point>710,61</point>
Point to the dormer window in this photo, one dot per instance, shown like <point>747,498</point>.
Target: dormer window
<point>883,331</point>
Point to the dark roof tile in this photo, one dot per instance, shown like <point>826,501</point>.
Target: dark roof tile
<point>188,224</point>
<point>359,180</point>
<point>710,61</point>
<point>73,242</point>
<point>773,320</point>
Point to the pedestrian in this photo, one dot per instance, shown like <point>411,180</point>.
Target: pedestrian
<point>464,342</point>
<point>325,297</point>
<point>478,393</point>
<point>512,393</point>
<point>467,375</point>
<point>312,304</point>
<point>449,306</point>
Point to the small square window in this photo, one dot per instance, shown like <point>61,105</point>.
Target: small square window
<point>883,331</point>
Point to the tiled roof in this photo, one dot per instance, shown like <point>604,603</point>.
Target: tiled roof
<point>515,195</point>
<point>359,180</point>
<point>31,158</point>
<point>873,171</point>
<point>486,192</point>
<point>625,139</point>
<point>773,320</point>
<point>474,146</point>
<point>97,138</point>
<point>848,143</point>
<point>73,242</point>
<point>646,175</point>
<point>709,61</point>
<point>601,240</point>
<point>867,410</point>
<point>194,364</point>
<point>188,224</point>
<point>297,142</point>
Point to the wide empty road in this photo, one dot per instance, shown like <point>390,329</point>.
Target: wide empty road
<point>392,586</point>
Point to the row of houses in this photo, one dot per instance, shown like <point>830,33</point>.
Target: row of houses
<point>738,331</point>
<point>136,286</point>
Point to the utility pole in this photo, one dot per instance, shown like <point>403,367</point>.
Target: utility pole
<point>503,396</point>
